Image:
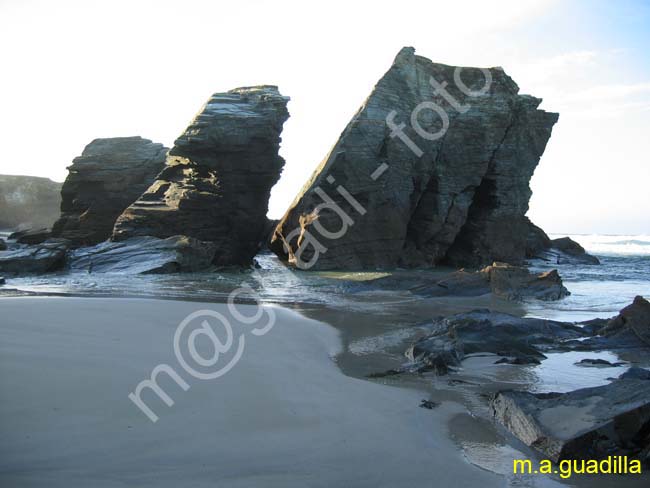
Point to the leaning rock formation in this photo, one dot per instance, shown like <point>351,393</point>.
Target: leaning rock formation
<point>402,187</point>
<point>28,201</point>
<point>108,176</point>
<point>218,177</point>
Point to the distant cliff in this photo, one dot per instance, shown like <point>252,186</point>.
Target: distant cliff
<point>28,200</point>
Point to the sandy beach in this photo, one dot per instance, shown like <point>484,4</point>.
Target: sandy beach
<point>283,416</point>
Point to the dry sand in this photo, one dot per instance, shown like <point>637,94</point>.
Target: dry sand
<point>284,416</point>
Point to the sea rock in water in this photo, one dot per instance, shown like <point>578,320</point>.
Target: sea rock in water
<point>598,363</point>
<point>218,177</point>
<point>563,250</point>
<point>144,255</point>
<point>109,175</point>
<point>28,201</point>
<point>32,237</point>
<point>515,283</point>
<point>418,177</point>
<point>590,423</point>
<point>481,331</point>
<point>501,279</point>
<point>40,258</point>
<point>3,245</point>
<point>634,318</point>
<point>526,340</point>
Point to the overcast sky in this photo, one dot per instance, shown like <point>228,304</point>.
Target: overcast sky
<point>72,71</point>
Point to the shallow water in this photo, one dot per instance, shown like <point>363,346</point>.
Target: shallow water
<point>378,325</point>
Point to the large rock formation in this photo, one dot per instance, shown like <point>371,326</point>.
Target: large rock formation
<point>109,175</point>
<point>28,201</point>
<point>430,169</point>
<point>218,177</point>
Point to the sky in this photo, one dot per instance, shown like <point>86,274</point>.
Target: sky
<point>73,71</point>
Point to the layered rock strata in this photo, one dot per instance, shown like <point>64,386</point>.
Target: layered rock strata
<point>217,179</point>
<point>109,175</point>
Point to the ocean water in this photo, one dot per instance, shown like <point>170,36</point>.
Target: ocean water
<point>600,290</point>
<point>596,291</point>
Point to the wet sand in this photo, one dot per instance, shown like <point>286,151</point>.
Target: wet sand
<point>284,416</point>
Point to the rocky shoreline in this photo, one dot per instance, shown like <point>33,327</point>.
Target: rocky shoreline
<point>442,217</point>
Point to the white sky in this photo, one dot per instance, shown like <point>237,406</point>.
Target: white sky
<point>72,71</point>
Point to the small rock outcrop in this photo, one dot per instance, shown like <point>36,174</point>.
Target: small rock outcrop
<point>36,236</point>
<point>434,167</point>
<point>144,255</point>
<point>634,318</point>
<point>109,175</point>
<point>28,201</point>
<point>500,279</point>
<point>520,341</point>
<point>41,258</point>
<point>563,250</point>
<point>590,423</point>
<point>525,340</point>
<point>218,177</point>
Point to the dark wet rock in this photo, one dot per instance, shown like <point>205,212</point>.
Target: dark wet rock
<point>598,363</point>
<point>519,360</point>
<point>563,250</point>
<point>144,255</point>
<point>590,423</point>
<point>109,175</point>
<point>451,339</point>
<point>3,245</point>
<point>385,374</point>
<point>635,373</point>
<point>594,326</point>
<point>568,246</point>
<point>218,177</point>
<point>537,242</point>
<point>2,280</point>
<point>28,201</point>
<point>502,280</point>
<point>515,283</point>
<point>31,237</point>
<point>481,331</point>
<point>40,258</point>
<point>429,405</point>
<point>460,198</point>
<point>634,319</point>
